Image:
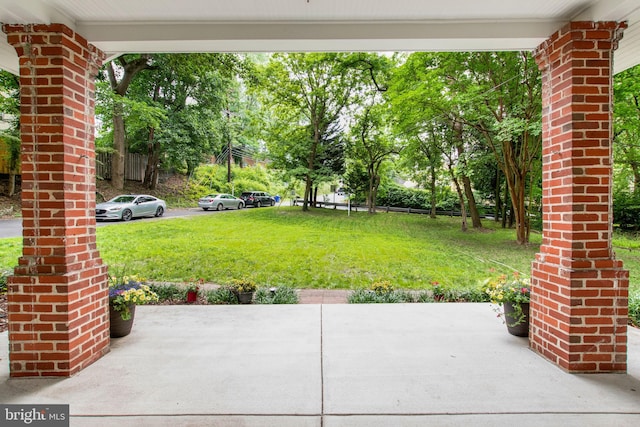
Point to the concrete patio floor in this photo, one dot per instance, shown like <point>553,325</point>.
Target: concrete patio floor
<point>329,365</point>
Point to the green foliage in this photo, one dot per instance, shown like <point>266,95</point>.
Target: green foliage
<point>169,292</point>
<point>13,148</point>
<point>414,198</point>
<point>323,248</point>
<point>243,285</point>
<point>368,296</point>
<point>626,210</point>
<point>305,95</point>
<point>3,281</point>
<point>173,110</point>
<point>222,295</point>
<point>280,295</point>
<point>626,124</point>
<point>634,308</point>
<point>402,197</point>
<point>209,179</point>
<point>383,287</point>
<point>10,99</point>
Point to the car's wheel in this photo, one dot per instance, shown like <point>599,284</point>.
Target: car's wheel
<point>240,205</point>
<point>273,202</point>
<point>127,215</point>
<point>219,207</point>
<point>205,209</point>
<point>257,204</point>
<point>160,211</point>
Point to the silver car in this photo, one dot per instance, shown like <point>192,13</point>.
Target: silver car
<point>220,201</point>
<point>127,206</point>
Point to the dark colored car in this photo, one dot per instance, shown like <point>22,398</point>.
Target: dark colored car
<point>257,199</point>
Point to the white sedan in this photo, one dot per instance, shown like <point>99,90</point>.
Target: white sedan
<point>220,201</point>
<point>126,207</point>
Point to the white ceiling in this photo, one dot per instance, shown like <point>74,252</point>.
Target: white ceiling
<point>120,26</point>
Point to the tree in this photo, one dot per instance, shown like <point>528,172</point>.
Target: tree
<point>173,111</point>
<point>499,94</point>
<point>626,124</point>
<point>307,93</point>
<point>121,72</point>
<point>427,113</point>
<point>372,144</point>
<point>10,106</point>
<point>191,90</point>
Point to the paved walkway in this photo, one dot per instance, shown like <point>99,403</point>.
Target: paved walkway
<point>327,366</point>
<point>323,296</point>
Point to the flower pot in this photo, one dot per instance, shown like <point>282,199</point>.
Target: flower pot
<point>245,297</point>
<point>118,327</point>
<point>511,317</point>
<point>192,296</point>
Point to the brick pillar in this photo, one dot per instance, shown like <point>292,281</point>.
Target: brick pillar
<point>58,296</point>
<point>579,290</point>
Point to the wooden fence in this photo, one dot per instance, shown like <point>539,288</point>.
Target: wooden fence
<point>135,165</point>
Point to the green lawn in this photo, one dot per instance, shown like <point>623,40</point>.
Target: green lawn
<point>320,249</point>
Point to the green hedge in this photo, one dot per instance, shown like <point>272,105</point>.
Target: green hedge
<point>626,210</point>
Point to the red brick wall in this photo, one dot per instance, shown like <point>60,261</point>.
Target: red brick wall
<point>58,296</point>
<point>579,295</point>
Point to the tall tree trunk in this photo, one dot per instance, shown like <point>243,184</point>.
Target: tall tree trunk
<point>466,181</point>
<point>473,208</point>
<point>506,203</point>
<point>119,148</point>
<point>12,183</point>
<point>498,208</point>
<point>311,161</point>
<point>434,199</point>
<point>119,137</point>
<point>153,161</point>
<point>636,177</point>
<point>463,209</point>
<point>370,185</point>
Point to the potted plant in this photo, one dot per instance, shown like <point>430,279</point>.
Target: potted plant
<point>383,287</point>
<point>192,290</point>
<point>437,290</point>
<point>511,295</point>
<point>243,289</point>
<point>125,292</point>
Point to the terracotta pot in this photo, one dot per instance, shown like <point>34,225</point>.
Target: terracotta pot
<point>521,329</point>
<point>245,297</point>
<point>118,327</point>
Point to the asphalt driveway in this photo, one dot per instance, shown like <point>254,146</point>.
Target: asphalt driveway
<point>13,227</point>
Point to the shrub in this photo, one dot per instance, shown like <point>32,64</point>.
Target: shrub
<point>280,295</point>
<point>222,295</point>
<point>626,210</point>
<point>401,197</point>
<point>209,179</point>
<point>383,287</point>
<point>169,292</point>
<point>368,296</point>
<point>3,281</point>
<point>634,308</point>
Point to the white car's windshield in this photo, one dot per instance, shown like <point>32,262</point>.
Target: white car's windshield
<point>123,199</point>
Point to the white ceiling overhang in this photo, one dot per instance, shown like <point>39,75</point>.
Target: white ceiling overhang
<point>148,26</point>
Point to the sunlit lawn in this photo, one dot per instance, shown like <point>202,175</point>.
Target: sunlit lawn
<point>318,249</point>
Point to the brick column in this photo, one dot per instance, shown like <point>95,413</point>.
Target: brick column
<point>58,296</point>
<point>579,290</point>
